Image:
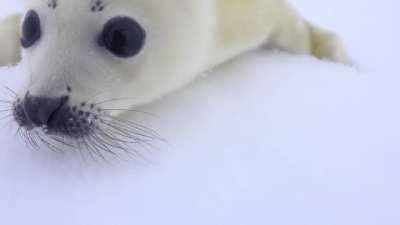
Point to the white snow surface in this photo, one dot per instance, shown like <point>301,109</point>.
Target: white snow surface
<point>269,138</point>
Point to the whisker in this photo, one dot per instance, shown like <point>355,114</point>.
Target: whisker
<point>89,146</point>
<point>120,142</point>
<point>18,132</point>
<point>80,151</point>
<point>51,146</point>
<point>56,139</point>
<point>34,141</point>
<point>10,90</point>
<point>130,110</point>
<point>28,140</point>
<point>131,125</point>
<point>112,100</point>
<point>126,133</point>
<point>24,138</point>
<point>114,142</point>
<point>110,139</point>
<point>89,151</point>
<point>100,144</point>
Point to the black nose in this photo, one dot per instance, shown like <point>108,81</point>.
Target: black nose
<point>40,110</point>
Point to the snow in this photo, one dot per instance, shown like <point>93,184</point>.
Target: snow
<point>270,138</point>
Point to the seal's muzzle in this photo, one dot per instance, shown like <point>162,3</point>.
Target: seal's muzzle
<point>53,115</point>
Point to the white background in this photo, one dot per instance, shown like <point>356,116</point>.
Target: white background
<point>270,138</point>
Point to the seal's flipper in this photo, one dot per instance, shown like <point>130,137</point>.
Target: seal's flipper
<point>10,53</point>
<point>295,34</point>
<point>327,45</point>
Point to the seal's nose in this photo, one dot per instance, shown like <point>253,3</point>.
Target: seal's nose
<point>40,110</point>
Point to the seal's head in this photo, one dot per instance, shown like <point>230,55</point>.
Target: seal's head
<point>84,56</point>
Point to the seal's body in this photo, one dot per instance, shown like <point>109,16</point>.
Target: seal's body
<point>83,52</point>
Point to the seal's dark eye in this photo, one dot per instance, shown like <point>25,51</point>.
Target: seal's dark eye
<point>31,31</point>
<point>123,37</point>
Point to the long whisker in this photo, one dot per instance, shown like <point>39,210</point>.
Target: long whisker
<point>100,144</point>
<point>50,145</point>
<point>57,139</point>
<point>126,132</point>
<point>80,142</point>
<point>92,148</point>
<point>115,142</point>
<point>12,93</point>
<point>10,90</point>
<point>34,140</point>
<point>132,126</point>
<point>112,100</point>
<point>129,110</point>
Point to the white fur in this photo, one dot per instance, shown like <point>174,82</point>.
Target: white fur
<point>184,39</point>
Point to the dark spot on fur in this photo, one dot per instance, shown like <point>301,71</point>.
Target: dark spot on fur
<point>52,4</point>
<point>98,6</point>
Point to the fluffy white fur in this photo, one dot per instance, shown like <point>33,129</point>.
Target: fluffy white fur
<point>184,39</point>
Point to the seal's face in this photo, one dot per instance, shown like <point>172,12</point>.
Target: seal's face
<point>85,56</point>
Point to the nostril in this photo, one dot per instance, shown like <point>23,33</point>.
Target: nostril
<point>39,110</point>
